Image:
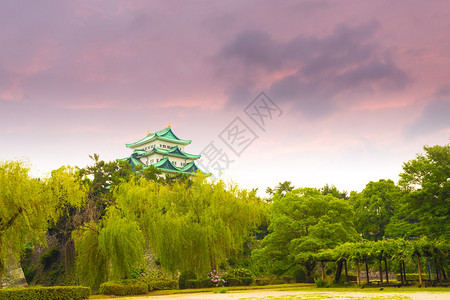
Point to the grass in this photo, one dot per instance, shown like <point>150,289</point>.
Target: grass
<point>310,292</point>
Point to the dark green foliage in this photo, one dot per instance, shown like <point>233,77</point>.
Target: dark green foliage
<point>184,277</point>
<point>124,287</point>
<point>300,275</point>
<point>25,260</point>
<point>49,257</point>
<point>46,293</point>
<point>198,283</point>
<point>374,208</point>
<point>320,282</point>
<point>262,281</point>
<point>161,284</point>
<point>425,208</point>
<point>239,281</point>
<point>241,272</point>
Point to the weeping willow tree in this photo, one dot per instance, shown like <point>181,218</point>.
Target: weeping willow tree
<point>109,250</point>
<point>28,205</point>
<point>193,224</point>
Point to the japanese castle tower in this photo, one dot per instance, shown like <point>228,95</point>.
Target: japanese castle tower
<point>163,150</point>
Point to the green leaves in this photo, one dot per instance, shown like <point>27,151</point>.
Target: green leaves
<point>425,208</point>
<point>304,222</point>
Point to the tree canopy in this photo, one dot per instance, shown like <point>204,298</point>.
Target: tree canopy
<point>302,223</point>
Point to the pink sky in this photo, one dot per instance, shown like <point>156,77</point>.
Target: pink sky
<point>362,85</point>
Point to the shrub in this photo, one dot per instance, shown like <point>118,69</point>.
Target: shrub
<point>300,276</point>
<point>49,257</point>
<point>124,287</point>
<point>198,283</point>
<point>215,278</point>
<point>46,293</point>
<point>161,284</point>
<point>240,281</point>
<point>262,281</point>
<point>241,272</point>
<point>184,277</point>
<point>320,282</point>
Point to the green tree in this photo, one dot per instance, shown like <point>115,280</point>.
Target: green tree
<point>327,189</point>
<point>281,189</point>
<point>190,224</point>
<point>302,223</point>
<point>28,205</point>
<point>425,207</point>
<point>108,250</point>
<point>374,207</point>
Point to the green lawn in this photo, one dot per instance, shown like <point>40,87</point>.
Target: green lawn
<point>310,290</point>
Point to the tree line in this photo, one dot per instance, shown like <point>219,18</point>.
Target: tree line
<point>113,218</point>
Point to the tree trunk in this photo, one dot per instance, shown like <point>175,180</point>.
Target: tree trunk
<point>346,273</point>
<point>1,272</point>
<point>357,273</point>
<point>322,269</point>
<point>438,274</point>
<point>367,273</point>
<point>381,272</point>
<point>443,271</point>
<point>338,270</point>
<point>404,270</point>
<point>386,269</point>
<point>419,268</point>
<point>401,272</point>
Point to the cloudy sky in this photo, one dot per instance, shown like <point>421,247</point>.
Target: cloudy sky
<point>351,89</point>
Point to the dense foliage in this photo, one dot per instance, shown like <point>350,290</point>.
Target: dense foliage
<point>46,293</point>
<point>120,222</point>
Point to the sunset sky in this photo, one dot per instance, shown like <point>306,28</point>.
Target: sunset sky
<point>356,87</point>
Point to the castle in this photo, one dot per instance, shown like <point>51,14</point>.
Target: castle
<point>163,150</point>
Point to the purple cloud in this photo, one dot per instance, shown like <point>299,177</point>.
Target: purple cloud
<point>317,70</point>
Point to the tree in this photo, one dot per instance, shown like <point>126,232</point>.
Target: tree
<point>302,223</point>
<point>108,250</point>
<point>425,207</point>
<point>190,224</point>
<point>327,189</point>
<point>27,205</point>
<point>374,207</point>
<point>281,189</point>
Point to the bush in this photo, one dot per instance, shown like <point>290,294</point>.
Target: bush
<point>240,281</point>
<point>124,287</point>
<point>262,281</point>
<point>241,272</point>
<point>184,277</point>
<point>46,293</point>
<point>320,282</point>
<point>49,257</point>
<point>161,284</point>
<point>300,276</point>
<point>198,283</point>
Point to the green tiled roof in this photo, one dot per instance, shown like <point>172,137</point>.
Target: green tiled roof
<point>190,168</point>
<point>166,164</point>
<point>165,134</point>
<point>174,151</point>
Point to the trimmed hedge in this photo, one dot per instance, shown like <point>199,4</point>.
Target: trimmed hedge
<point>239,281</point>
<point>161,284</point>
<point>198,283</point>
<point>46,293</point>
<point>184,277</point>
<point>139,286</point>
<point>262,281</point>
<point>124,287</point>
